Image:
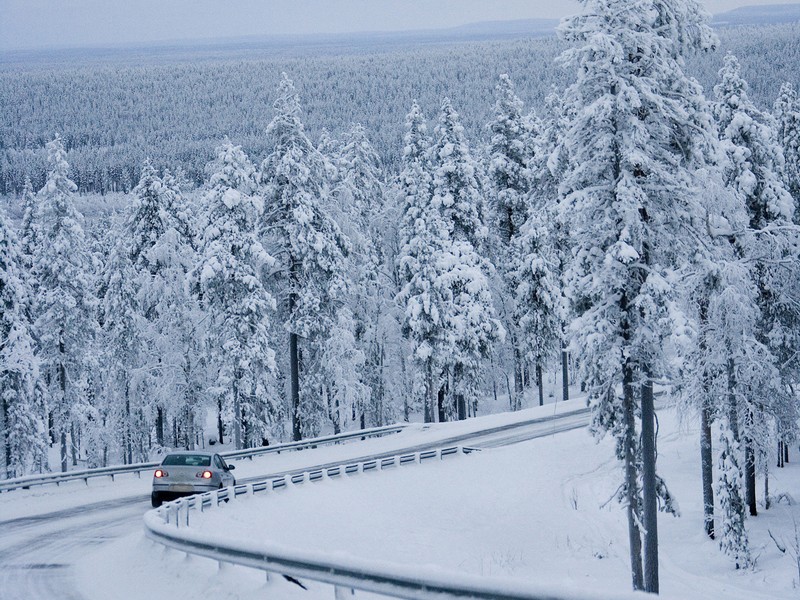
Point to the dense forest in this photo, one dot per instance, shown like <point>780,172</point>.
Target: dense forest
<point>341,247</point>
<point>112,115</point>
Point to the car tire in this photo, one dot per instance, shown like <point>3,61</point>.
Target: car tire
<point>155,499</point>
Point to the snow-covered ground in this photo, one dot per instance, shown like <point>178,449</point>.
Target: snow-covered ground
<point>538,511</point>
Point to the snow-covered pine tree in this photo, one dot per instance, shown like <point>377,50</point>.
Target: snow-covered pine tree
<point>229,279</point>
<point>787,115</point>
<point>754,172</point>
<point>64,308</point>
<point>23,414</point>
<point>421,232</point>
<point>159,238</point>
<point>308,245</point>
<point>125,378</point>
<point>511,150</point>
<point>360,193</point>
<point>462,270</point>
<point>634,139</point>
<point>31,222</point>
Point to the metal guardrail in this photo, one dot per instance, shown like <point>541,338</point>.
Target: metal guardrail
<point>170,525</point>
<point>7,485</point>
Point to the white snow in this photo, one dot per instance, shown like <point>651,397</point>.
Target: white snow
<point>535,512</point>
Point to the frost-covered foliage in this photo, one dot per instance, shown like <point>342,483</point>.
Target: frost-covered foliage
<point>636,135</point>
<point>449,311</point>
<point>229,279</point>
<point>310,250</point>
<point>787,114</point>
<point>769,250</point>
<point>23,413</point>
<point>64,307</point>
<point>510,152</point>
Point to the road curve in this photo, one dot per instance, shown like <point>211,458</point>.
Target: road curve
<point>37,553</point>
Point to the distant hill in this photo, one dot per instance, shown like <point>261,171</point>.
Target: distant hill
<point>758,15</point>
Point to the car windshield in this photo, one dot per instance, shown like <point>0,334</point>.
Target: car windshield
<point>187,460</point>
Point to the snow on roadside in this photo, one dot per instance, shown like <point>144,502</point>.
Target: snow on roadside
<point>536,512</point>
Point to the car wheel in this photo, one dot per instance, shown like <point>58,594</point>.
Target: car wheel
<point>155,500</point>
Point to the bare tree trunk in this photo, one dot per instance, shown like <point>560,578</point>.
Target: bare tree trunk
<point>237,410</point>
<point>750,477</point>
<point>649,493</point>
<point>74,444</point>
<point>631,479</point>
<point>220,427</point>
<point>706,467</point>
<point>519,384</point>
<point>564,372</point>
<point>540,383</point>
<point>430,392</point>
<point>160,426</point>
<point>440,404</point>
<point>6,439</point>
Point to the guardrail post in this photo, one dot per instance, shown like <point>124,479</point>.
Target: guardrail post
<point>341,593</point>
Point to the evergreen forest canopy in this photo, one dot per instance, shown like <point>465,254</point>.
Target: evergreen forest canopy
<point>113,115</point>
<point>374,266</point>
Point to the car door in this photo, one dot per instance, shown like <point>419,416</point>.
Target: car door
<point>227,478</point>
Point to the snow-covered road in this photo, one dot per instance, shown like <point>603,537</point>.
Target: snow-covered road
<point>44,531</point>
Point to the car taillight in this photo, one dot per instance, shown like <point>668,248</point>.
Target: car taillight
<point>205,474</point>
<point>159,473</point>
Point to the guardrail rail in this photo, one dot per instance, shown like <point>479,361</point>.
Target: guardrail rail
<point>7,485</point>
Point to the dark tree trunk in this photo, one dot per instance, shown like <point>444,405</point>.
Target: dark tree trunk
<point>430,393</point>
<point>62,384</point>
<point>237,409</point>
<point>63,451</point>
<point>294,386</point>
<point>649,493</point>
<point>750,477</point>
<point>780,455</point>
<point>785,452</point>
<point>74,444</point>
<point>540,383</point>
<point>564,372</point>
<point>631,479</point>
<point>220,425</point>
<point>706,467</point>
<point>440,404</point>
<point>6,440</point>
<point>518,377</point>
<point>160,426</point>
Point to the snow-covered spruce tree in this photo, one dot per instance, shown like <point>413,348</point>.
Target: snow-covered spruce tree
<point>229,279</point>
<point>125,378</point>
<point>634,139</point>
<point>309,248</point>
<point>23,414</point>
<point>64,308</point>
<point>159,239</point>
<point>787,114</point>
<point>462,270</point>
<point>360,196</point>
<point>754,172</point>
<point>31,222</point>
<point>421,234</point>
<point>511,149</point>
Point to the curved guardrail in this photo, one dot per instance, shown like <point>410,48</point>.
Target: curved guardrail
<point>170,525</point>
<point>7,485</point>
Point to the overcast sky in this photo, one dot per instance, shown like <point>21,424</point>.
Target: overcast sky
<point>64,23</point>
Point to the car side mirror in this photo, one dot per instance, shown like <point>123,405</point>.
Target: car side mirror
<point>231,467</point>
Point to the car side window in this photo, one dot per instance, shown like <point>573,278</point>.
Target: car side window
<point>219,462</point>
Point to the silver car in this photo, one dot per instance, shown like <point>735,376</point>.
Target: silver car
<point>188,472</point>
